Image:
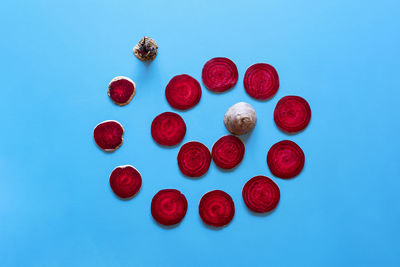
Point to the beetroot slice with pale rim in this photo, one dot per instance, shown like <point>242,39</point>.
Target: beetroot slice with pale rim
<point>216,208</point>
<point>125,181</point>
<point>168,206</point>
<point>292,114</point>
<point>121,90</point>
<point>168,129</point>
<point>194,159</point>
<point>261,194</point>
<point>108,135</point>
<point>228,151</point>
<point>261,81</point>
<point>285,159</point>
<point>183,92</point>
<point>219,74</point>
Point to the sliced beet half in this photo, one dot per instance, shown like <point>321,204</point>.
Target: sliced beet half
<point>108,135</point>
<point>228,151</point>
<point>292,114</point>
<point>121,90</point>
<point>125,181</point>
<point>194,159</point>
<point>183,92</point>
<point>168,129</point>
<point>216,208</point>
<point>285,159</point>
<point>168,206</point>
<point>219,74</point>
<point>261,81</point>
<point>261,194</point>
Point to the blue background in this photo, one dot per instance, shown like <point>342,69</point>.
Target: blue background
<point>57,57</point>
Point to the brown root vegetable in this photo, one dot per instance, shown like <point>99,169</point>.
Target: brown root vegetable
<point>146,49</point>
<point>240,118</point>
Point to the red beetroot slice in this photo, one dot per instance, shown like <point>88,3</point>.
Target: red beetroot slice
<point>125,181</point>
<point>261,194</point>
<point>216,208</point>
<point>292,114</point>
<point>108,135</point>
<point>228,152</point>
<point>168,206</point>
<point>194,159</point>
<point>121,90</point>
<point>261,81</point>
<point>285,159</point>
<point>183,92</point>
<point>219,74</point>
<point>168,129</point>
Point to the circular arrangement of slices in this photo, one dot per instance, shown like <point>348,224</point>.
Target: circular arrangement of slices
<point>228,152</point>
<point>168,129</point>
<point>285,159</point>
<point>121,90</point>
<point>292,114</point>
<point>260,194</point>
<point>219,74</point>
<point>261,81</point>
<point>194,159</point>
<point>168,207</point>
<point>183,92</point>
<point>216,208</point>
<point>125,181</point>
<point>108,135</point>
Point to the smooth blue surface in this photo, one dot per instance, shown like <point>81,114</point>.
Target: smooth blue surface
<point>57,57</point>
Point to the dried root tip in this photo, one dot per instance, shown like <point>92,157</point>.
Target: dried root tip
<point>146,49</point>
<point>240,118</point>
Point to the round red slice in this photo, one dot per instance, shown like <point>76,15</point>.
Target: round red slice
<point>285,159</point>
<point>168,129</point>
<point>121,90</point>
<point>216,208</point>
<point>292,114</point>
<point>228,152</point>
<point>219,74</point>
<point>168,207</point>
<point>108,135</point>
<point>194,159</point>
<point>125,181</point>
<point>183,92</point>
<point>261,194</point>
<point>261,81</point>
